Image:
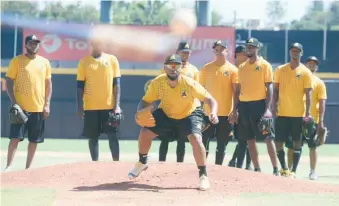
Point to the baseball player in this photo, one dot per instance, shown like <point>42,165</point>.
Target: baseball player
<point>255,92</point>
<point>189,70</point>
<point>98,98</point>
<point>292,81</point>
<point>238,158</point>
<point>29,87</point>
<point>318,104</point>
<point>220,78</point>
<point>178,111</point>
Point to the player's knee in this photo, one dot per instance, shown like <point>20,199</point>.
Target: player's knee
<point>146,133</point>
<point>279,145</point>
<point>196,140</point>
<point>15,141</point>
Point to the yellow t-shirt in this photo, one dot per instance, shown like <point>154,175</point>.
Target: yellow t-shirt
<point>178,102</point>
<point>292,85</point>
<point>98,75</point>
<point>29,77</point>
<point>318,93</point>
<point>188,70</point>
<point>252,78</point>
<point>218,81</point>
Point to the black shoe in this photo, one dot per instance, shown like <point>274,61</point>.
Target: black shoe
<point>248,167</point>
<point>232,163</point>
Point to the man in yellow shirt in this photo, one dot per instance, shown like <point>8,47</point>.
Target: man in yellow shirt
<point>179,112</point>
<point>29,85</point>
<point>292,82</point>
<point>241,150</point>
<point>220,78</point>
<point>98,97</point>
<point>255,93</point>
<point>189,70</point>
<point>318,105</point>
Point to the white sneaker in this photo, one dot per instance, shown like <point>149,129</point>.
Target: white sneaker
<point>7,169</point>
<point>204,183</point>
<point>138,168</point>
<point>313,175</point>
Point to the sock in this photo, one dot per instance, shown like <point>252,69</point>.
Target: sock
<point>114,146</point>
<point>181,151</point>
<point>281,157</point>
<point>296,158</point>
<point>93,144</point>
<point>257,170</point>
<point>202,170</point>
<point>241,153</point>
<point>143,158</point>
<point>219,157</point>
<point>163,149</point>
<point>248,158</point>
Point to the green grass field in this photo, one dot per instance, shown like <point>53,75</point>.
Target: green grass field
<point>59,151</point>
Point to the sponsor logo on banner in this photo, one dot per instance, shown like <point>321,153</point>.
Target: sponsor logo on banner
<point>65,48</point>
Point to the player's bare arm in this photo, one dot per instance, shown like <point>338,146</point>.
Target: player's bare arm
<point>308,94</point>
<point>233,116</point>
<point>80,94</point>
<point>142,105</point>
<point>322,108</point>
<point>10,89</point>
<point>210,101</point>
<point>275,99</point>
<point>117,93</point>
<point>48,95</point>
<point>269,96</point>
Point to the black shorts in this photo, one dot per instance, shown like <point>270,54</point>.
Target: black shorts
<point>288,127</point>
<point>250,114</point>
<point>219,131</point>
<point>169,129</point>
<point>34,128</point>
<point>95,123</point>
<point>310,141</point>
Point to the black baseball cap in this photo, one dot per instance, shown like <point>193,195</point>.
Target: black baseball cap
<point>252,42</point>
<point>184,46</point>
<point>173,59</point>
<point>297,45</point>
<point>313,58</point>
<point>31,37</point>
<point>219,43</point>
<point>240,49</point>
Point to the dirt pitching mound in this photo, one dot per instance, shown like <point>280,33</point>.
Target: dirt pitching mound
<point>106,183</point>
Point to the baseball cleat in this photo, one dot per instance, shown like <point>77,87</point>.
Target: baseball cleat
<point>138,168</point>
<point>276,173</point>
<point>204,183</point>
<point>7,169</point>
<point>313,175</point>
<point>285,173</point>
<point>231,164</point>
<point>293,175</point>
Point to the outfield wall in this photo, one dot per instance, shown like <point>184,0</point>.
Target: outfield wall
<point>63,122</point>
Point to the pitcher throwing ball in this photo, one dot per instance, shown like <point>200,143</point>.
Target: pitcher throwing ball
<point>178,111</point>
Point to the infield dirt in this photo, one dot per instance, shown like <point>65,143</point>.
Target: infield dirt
<point>106,183</point>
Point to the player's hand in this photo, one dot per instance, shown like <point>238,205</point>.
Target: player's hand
<point>46,111</point>
<point>117,110</point>
<point>320,126</point>
<point>80,112</point>
<point>213,118</point>
<point>232,118</point>
<point>268,114</point>
<point>274,111</point>
<point>307,118</point>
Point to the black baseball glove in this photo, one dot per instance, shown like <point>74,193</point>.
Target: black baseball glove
<point>17,115</point>
<point>265,125</point>
<point>309,128</point>
<point>114,119</point>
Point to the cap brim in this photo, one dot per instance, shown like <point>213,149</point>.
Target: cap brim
<point>296,48</point>
<point>185,50</point>
<point>219,45</point>
<point>36,40</point>
<point>251,44</point>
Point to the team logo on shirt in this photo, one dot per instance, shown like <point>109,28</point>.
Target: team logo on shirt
<point>183,93</point>
<point>298,76</point>
<point>257,68</point>
<point>105,62</point>
<point>226,73</point>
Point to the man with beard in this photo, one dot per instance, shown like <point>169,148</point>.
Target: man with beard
<point>178,111</point>
<point>292,82</point>
<point>220,78</point>
<point>238,158</point>
<point>189,70</point>
<point>318,106</point>
<point>98,98</point>
<point>254,93</point>
<point>29,86</point>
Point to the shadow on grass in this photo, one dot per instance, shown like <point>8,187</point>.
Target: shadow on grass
<point>128,186</point>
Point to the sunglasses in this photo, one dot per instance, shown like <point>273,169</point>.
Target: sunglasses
<point>172,66</point>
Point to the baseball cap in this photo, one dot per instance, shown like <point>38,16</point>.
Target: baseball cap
<point>297,45</point>
<point>31,37</point>
<point>252,42</point>
<point>240,49</point>
<point>173,59</point>
<point>184,46</point>
<point>219,43</point>
<point>312,58</point>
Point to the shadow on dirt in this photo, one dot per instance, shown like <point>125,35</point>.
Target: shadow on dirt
<point>128,186</point>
